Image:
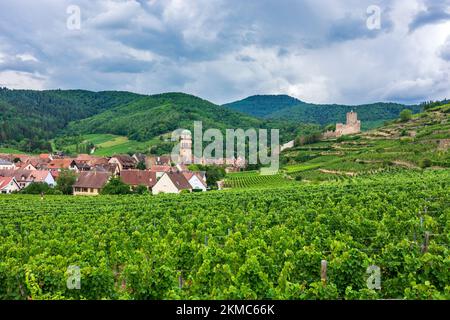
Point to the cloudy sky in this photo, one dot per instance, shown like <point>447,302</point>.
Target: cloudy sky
<point>322,51</point>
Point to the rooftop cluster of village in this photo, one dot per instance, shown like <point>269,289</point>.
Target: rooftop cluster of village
<point>157,174</point>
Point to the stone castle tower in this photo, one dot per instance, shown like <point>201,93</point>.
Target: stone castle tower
<point>352,126</point>
<point>186,147</point>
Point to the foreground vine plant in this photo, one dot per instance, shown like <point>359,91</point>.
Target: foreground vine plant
<point>244,244</point>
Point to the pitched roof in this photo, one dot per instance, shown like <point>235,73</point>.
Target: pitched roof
<point>26,175</point>
<point>60,163</point>
<point>125,159</point>
<point>138,177</point>
<point>108,167</point>
<point>189,174</point>
<point>18,174</point>
<point>92,179</point>
<point>157,168</point>
<point>4,162</point>
<point>179,181</point>
<point>158,160</point>
<point>139,157</point>
<point>22,165</point>
<point>39,175</point>
<point>84,157</point>
<point>4,181</point>
<point>82,165</point>
<point>98,161</point>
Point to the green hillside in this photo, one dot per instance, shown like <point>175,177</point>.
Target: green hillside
<point>263,105</point>
<point>102,144</point>
<point>414,146</point>
<point>417,144</point>
<point>29,119</point>
<point>151,116</point>
<point>283,107</point>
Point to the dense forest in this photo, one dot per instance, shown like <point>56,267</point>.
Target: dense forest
<point>154,115</point>
<point>283,107</point>
<point>29,119</point>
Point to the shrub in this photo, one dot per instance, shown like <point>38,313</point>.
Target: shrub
<point>116,186</point>
<point>405,115</point>
<point>141,189</point>
<point>425,163</point>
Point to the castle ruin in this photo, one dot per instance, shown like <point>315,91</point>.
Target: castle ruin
<point>352,126</point>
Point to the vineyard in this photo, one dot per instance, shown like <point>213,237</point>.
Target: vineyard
<point>236,244</point>
<point>255,180</point>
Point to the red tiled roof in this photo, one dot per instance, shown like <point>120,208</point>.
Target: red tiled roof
<point>84,157</point>
<point>189,174</point>
<point>44,156</point>
<point>92,179</point>
<point>179,181</point>
<point>4,181</point>
<point>25,175</point>
<point>98,161</point>
<point>138,177</point>
<point>18,174</point>
<point>55,174</point>
<point>156,168</point>
<point>125,160</point>
<point>60,163</point>
<point>39,175</point>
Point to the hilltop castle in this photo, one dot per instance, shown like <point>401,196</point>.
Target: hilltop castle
<point>352,126</point>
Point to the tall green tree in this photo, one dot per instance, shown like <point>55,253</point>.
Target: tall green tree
<point>65,181</point>
<point>405,115</point>
<point>116,186</point>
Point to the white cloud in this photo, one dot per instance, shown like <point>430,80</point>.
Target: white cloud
<point>224,50</point>
<point>20,80</point>
<point>26,57</point>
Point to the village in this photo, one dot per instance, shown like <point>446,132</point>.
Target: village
<point>157,174</point>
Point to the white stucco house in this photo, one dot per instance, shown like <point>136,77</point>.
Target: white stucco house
<point>8,185</point>
<point>6,165</point>
<point>171,182</point>
<point>195,180</point>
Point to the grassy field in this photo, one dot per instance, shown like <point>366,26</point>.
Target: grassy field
<point>10,150</point>
<point>109,144</point>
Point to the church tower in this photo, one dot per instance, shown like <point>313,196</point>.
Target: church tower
<point>186,147</point>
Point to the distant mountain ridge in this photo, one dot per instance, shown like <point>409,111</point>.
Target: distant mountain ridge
<point>30,119</point>
<point>284,107</point>
<point>263,105</point>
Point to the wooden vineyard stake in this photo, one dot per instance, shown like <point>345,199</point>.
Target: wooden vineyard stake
<point>180,280</point>
<point>323,272</point>
<point>426,242</point>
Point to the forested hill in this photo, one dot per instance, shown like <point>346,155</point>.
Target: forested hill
<point>288,108</point>
<point>151,116</point>
<point>28,118</point>
<point>263,105</point>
